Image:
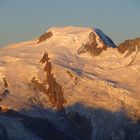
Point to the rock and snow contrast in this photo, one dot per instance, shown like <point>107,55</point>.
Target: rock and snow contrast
<point>71,83</point>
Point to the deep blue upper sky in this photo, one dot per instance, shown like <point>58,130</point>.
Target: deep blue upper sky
<point>22,20</point>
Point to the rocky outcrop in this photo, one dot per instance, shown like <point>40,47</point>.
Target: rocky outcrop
<point>129,45</point>
<point>50,87</point>
<point>97,43</point>
<point>44,37</point>
<point>94,46</point>
<point>5,92</point>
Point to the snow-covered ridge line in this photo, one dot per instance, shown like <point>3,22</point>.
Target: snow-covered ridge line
<point>75,32</point>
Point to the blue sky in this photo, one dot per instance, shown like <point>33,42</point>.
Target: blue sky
<point>22,20</point>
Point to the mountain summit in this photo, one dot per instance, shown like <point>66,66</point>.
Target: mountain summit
<point>84,39</point>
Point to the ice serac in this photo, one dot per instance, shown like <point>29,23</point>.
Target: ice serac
<point>85,88</point>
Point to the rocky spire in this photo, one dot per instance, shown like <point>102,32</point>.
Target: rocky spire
<point>54,90</point>
<point>45,58</point>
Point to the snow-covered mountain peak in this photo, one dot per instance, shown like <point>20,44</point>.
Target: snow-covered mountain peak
<point>67,76</point>
<point>66,36</point>
<point>79,39</point>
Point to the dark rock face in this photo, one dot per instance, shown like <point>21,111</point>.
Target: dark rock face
<point>92,47</point>
<point>5,92</point>
<point>95,48</point>
<point>44,37</point>
<point>54,91</point>
<point>129,45</point>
